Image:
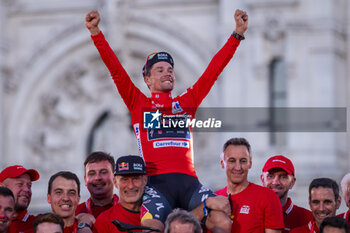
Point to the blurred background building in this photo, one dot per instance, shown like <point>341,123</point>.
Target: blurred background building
<point>58,102</point>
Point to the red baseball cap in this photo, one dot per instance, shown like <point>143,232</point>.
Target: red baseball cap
<point>279,161</point>
<point>17,170</point>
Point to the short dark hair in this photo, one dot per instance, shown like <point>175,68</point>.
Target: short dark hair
<point>334,222</point>
<point>183,217</point>
<point>325,183</point>
<point>236,142</point>
<point>65,174</point>
<point>6,192</point>
<point>48,217</point>
<point>99,156</point>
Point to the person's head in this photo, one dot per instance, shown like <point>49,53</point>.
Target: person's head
<point>19,180</point>
<point>182,221</point>
<point>7,208</point>
<point>324,198</point>
<point>236,160</point>
<point>99,170</point>
<point>63,194</point>
<point>334,225</point>
<point>158,72</point>
<point>345,187</point>
<point>48,223</point>
<point>130,179</point>
<point>278,175</point>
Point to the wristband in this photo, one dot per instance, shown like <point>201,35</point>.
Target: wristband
<point>237,36</point>
<point>206,210</point>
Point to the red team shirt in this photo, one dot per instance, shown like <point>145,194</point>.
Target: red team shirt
<point>104,223</point>
<point>345,216</point>
<point>255,209</point>
<point>72,228</point>
<point>22,223</point>
<point>90,208</point>
<point>164,151</point>
<point>310,227</point>
<point>295,216</point>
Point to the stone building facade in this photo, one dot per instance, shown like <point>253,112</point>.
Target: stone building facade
<point>58,102</point>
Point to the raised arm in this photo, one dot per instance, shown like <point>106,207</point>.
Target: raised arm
<point>202,87</point>
<point>127,90</point>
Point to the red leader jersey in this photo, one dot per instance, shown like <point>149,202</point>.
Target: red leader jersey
<point>104,223</point>
<point>72,228</point>
<point>294,216</point>
<point>22,223</point>
<point>95,210</point>
<point>307,228</point>
<point>255,209</point>
<point>164,150</point>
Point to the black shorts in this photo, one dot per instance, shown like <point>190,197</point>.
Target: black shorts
<point>166,192</point>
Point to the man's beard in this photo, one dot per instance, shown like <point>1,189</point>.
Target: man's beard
<point>20,207</point>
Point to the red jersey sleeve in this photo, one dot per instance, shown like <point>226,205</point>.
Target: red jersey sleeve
<point>126,88</point>
<point>202,87</point>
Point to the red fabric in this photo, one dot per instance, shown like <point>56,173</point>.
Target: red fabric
<point>307,228</point>
<point>295,216</point>
<point>104,223</point>
<point>345,216</point>
<point>94,209</point>
<point>72,228</point>
<point>174,155</point>
<point>22,223</point>
<point>255,209</point>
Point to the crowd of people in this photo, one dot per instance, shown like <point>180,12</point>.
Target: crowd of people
<point>159,187</point>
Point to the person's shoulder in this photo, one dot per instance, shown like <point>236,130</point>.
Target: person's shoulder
<point>302,209</point>
<point>260,188</point>
<point>301,229</point>
<point>81,208</point>
<point>222,192</point>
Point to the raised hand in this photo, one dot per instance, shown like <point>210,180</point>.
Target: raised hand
<point>92,20</point>
<point>241,18</point>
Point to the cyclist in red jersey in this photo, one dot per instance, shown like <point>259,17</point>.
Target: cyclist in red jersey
<point>168,155</point>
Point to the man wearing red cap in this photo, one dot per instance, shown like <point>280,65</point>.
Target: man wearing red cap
<point>19,180</point>
<point>279,175</point>
<point>168,153</point>
<point>254,208</point>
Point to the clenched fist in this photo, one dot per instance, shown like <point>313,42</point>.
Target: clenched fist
<point>92,20</point>
<point>241,18</point>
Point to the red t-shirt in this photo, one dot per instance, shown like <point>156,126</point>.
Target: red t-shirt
<point>164,150</point>
<point>22,223</point>
<point>255,209</point>
<point>307,228</point>
<point>104,223</point>
<point>345,216</point>
<point>95,210</point>
<point>295,216</point>
<point>72,228</point>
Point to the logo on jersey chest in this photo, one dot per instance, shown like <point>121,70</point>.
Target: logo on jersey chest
<point>175,107</point>
<point>244,209</point>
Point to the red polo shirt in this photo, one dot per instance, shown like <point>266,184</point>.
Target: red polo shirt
<point>22,223</point>
<point>295,216</point>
